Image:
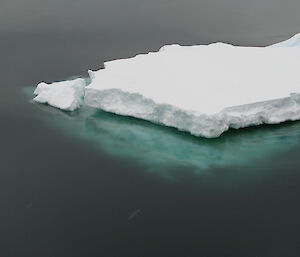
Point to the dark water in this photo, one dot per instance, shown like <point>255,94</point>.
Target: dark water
<point>95,184</point>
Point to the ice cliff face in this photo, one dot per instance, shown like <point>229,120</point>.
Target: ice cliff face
<point>135,105</point>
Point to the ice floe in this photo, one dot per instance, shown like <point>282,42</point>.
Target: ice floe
<point>201,89</point>
<point>204,90</point>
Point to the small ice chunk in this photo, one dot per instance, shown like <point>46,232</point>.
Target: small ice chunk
<point>65,95</point>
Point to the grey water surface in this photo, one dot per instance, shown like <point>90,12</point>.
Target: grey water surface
<point>92,184</point>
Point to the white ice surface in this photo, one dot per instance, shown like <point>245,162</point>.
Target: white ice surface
<point>204,90</point>
<point>65,95</point>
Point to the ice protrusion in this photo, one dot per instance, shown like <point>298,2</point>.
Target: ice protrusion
<point>169,47</point>
<point>291,42</point>
<point>92,74</point>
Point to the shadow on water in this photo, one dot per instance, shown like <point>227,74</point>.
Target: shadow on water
<point>159,147</point>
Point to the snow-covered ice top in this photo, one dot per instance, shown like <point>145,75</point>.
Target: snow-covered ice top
<point>202,89</point>
<point>205,79</point>
<point>65,95</point>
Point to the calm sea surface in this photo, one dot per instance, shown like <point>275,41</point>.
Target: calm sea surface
<point>93,184</point>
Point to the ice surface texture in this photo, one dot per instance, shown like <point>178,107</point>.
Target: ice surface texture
<point>204,90</point>
<point>65,95</point>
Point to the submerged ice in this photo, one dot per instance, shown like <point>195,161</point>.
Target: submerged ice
<point>159,148</point>
<point>204,90</point>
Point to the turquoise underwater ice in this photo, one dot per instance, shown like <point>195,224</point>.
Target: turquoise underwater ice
<point>158,147</point>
